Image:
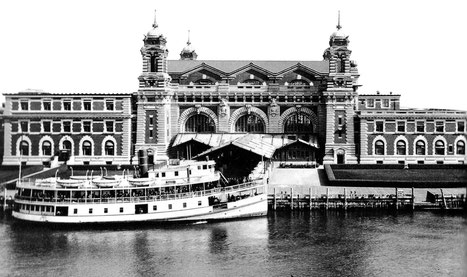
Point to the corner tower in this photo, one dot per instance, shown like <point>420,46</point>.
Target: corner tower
<point>339,100</point>
<point>154,97</point>
<point>188,53</point>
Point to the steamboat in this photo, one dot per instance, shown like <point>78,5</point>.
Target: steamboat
<point>185,191</point>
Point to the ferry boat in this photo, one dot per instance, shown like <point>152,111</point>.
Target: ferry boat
<point>187,191</point>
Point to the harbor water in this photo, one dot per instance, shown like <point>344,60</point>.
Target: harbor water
<point>317,243</point>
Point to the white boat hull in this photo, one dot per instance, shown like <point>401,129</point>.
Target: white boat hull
<point>248,207</point>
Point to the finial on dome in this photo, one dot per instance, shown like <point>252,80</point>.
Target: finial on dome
<point>338,20</point>
<point>188,42</point>
<point>155,22</point>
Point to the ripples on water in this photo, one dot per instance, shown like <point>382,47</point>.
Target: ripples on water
<point>282,244</point>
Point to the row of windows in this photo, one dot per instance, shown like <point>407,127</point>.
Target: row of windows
<point>420,126</point>
<point>66,105</point>
<point>249,123</point>
<point>46,126</point>
<point>370,103</point>
<point>86,148</point>
<point>243,98</point>
<point>420,148</point>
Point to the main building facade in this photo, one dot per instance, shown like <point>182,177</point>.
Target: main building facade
<point>303,110</point>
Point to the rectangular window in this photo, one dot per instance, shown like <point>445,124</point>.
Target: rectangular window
<point>24,105</point>
<point>340,120</point>
<point>87,105</point>
<point>87,126</point>
<point>106,210</point>
<point>439,126</point>
<point>151,133</point>
<point>75,211</point>
<point>199,203</point>
<point>460,126</point>
<point>184,205</point>
<point>47,105</point>
<point>67,105</point>
<point>420,126</point>
<point>109,105</point>
<point>170,206</point>
<point>46,126</point>
<point>379,126</point>
<point>205,166</point>
<point>24,125</point>
<point>66,126</point>
<point>370,103</point>
<point>90,210</point>
<point>385,103</point>
<point>121,209</point>
<point>109,126</point>
<point>154,208</point>
<point>163,174</point>
<point>401,126</point>
<point>151,120</point>
<point>176,173</point>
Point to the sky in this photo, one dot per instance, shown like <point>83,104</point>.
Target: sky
<point>413,48</point>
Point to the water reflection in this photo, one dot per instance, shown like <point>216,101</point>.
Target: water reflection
<point>314,243</point>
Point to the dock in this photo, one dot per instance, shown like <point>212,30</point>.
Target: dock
<point>322,197</point>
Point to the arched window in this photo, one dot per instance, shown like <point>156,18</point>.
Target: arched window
<point>401,147</point>
<point>87,148</point>
<point>249,123</point>
<point>109,148</point>
<point>154,63</point>
<point>200,123</point>
<point>254,82</point>
<point>46,148</point>
<point>299,82</point>
<point>379,147</point>
<point>24,148</point>
<point>67,145</point>
<point>439,147</point>
<point>460,146</point>
<point>420,147</point>
<point>204,82</point>
<point>298,123</point>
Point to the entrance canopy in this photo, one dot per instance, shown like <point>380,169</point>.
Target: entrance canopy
<point>261,144</point>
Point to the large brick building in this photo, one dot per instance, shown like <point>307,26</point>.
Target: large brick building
<point>305,110</point>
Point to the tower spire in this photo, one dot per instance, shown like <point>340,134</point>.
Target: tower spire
<point>188,42</point>
<point>338,20</point>
<point>155,22</point>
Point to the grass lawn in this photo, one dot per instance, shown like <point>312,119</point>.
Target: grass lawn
<point>417,175</point>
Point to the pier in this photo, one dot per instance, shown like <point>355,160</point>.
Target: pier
<point>322,197</point>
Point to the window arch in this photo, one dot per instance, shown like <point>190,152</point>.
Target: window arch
<point>379,147</point>
<point>439,147</point>
<point>250,123</point>
<point>86,148</point>
<point>200,123</point>
<point>24,148</point>
<point>204,82</point>
<point>109,148</point>
<point>460,147</point>
<point>46,148</point>
<point>254,82</point>
<point>298,123</point>
<point>420,147</point>
<point>401,147</point>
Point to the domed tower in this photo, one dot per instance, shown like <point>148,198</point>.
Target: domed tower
<point>154,54</point>
<point>154,98</point>
<point>339,100</point>
<point>188,53</point>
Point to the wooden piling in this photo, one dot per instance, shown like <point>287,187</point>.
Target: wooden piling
<point>413,199</point>
<point>311,203</point>
<point>397,200</point>
<point>444,206</point>
<point>345,200</point>
<point>274,201</point>
<point>291,199</point>
<point>327,198</point>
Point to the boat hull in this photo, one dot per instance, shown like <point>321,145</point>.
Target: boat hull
<point>249,207</point>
